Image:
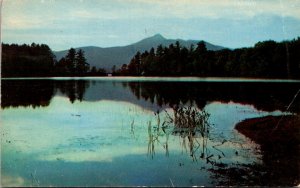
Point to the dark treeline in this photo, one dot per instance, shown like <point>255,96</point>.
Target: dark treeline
<point>27,60</point>
<point>37,60</point>
<point>268,59</point>
<point>75,64</point>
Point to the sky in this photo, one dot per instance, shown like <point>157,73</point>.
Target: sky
<point>63,24</point>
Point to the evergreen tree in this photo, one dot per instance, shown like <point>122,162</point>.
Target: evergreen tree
<point>70,60</point>
<point>81,66</point>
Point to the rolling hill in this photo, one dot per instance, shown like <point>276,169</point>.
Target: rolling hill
<point>107,57</point>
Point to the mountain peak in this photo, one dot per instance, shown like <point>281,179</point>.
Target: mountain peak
<point>107,57</point>
<point>154,40</point>
<point>158,36</point>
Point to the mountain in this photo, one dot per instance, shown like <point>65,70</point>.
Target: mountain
<point>107,57</point>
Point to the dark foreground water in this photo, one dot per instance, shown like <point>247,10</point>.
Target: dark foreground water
<point>124,131</point>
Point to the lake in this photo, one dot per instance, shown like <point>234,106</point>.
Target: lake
<point>133,131</point>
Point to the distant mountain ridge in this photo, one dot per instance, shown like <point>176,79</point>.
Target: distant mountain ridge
<point>108,57</point>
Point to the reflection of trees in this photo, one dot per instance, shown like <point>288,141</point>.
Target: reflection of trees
<point>263,95</point>
<point>73,89</point>
<point>33,93</point>
<point>38,93</point>
<point>165,93</point>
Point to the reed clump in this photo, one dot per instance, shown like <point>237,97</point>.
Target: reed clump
<point>189,120</point>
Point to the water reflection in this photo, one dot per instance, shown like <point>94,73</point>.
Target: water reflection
<point>264,96</point>
<point>35,93</point>
<point>95,133</point>
<point>38,93</point>
<point>73,89</point>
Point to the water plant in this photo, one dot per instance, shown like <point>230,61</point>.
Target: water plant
<point>189,120</point>
<point>189,123</point>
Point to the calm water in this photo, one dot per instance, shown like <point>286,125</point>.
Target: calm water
<point>116,131</point>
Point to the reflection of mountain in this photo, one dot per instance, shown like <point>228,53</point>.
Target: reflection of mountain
<point>151,95</point>
<point>117,91</point>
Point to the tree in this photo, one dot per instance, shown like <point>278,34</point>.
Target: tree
<point>93,69</point>
<point>101,72</point>
<point>81,66</point>
<point>134,67</point>
<point>124,70</point>
<point>199,59</point>
<point>70,60</point>
<point>27,60</point>
<point>113,69</point>
<point>61,67</point>
<point>201,48</point>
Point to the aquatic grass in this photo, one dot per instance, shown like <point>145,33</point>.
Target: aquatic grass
<point>189,123</point>
<point>159,130</point>
<point>151,150</point>
<point>189,120</point>
<point>34,180</point>
<point>132,128</point>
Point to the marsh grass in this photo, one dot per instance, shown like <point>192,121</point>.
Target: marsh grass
<point>189,123</point>
<point>189,120</point>
<point>34,180</point>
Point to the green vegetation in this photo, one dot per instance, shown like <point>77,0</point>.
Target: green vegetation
<point>74,63</point>
<point>27,60</point>
<point>38,61</point>
<point>189,123</point>
<point>267,59</point>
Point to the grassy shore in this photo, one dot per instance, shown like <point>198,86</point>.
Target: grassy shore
<point>279,140</point>
<point>271,129</point>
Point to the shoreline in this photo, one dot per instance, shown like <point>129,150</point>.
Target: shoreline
<point>279,140</point>
<point>162,78</point>
<point>271,129</point>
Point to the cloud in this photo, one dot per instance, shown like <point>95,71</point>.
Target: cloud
<point>22,23</point>
<point>32,14</point>
<point>99,21</point>
<point>132,9</point>
<point>219,9</point>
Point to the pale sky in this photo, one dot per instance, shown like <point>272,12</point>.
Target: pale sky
<point>75,23</point>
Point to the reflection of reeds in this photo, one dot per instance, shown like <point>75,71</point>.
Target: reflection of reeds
<point>132,128</point>
<point>151,150</point>
<point>34,180</point>
<point>190,123</point>
<point>154,134</point>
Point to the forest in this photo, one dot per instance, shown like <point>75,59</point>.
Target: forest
<point>268,59</point>
<point>26,60</point>
<point>37,60</point>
